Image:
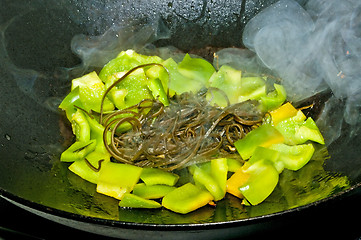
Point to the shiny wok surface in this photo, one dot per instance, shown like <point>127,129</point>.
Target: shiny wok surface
<point>35,56</point>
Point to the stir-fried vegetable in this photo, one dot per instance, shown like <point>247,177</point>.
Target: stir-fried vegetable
<point>144,117</point>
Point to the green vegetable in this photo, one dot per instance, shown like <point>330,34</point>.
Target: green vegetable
<point>152,191</point>
<point>80,126</point>
<point>130,90</point>
<point>133,201</point>
<point>237,89</point>
<point>211,176</point>
<point>158,92</point>
<point>186,198</point>
<point>96,132</point>
<point>274,99</point>
<point>116,179</point>
<point>197,69</point>
<point>68,103</point>
<point>268,150</point>
<point>155,176</point>
<point>233,164</point>
<point>297,131</point>
<point>78,151</point>
<point>263,178</point>
<point>90,173</point>
<point>191,74</point>
<point>203,179</point>
<point>91,90</point>
<point>267,154</point>
<point>294,157</point>
<point>125,61</point>
<point>263,136</point>
<point>174,83</point>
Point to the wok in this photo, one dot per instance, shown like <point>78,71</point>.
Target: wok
<point>36,68</point>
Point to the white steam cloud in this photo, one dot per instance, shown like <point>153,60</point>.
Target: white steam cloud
<point>314,47</point>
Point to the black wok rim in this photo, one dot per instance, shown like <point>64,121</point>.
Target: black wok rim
<point>172,227</point>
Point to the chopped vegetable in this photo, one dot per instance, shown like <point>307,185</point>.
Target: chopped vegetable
<point>233,164</point>
<point>69,102</point>
<point>80,126</point>
<point>152,191</point>
<point>91,90</point>
<point>294,157</point>
<point>125,61</point>
<point>274,99</point>
<point>297,131</point>
<point>264,136</point>
<point>154,176</point>
<point>263,178</point>
<point>283,112</point>
<point>186,198</point>
<point>144,117</point>
<point>89,167</point>
<point>133,201</point>
<point>77,151</point>
<point>116,179</point>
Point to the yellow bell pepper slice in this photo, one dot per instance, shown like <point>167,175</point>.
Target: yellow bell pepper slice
<point>283,112</point>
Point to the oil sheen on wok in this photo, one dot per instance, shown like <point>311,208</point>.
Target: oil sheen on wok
<point>142,121</point>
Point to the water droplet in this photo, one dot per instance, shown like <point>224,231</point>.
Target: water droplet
<point>7,136</point>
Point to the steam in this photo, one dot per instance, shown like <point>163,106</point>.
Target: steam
<point>96,51</point>
<point>313,48</point>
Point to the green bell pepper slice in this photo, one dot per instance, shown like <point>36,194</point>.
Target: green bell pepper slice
<point>78,151</point>
<point>156,176</point>
<point>190,75</point>
<point>91,91</point>
<point>309,130</point>
<point>152,191</point>
<point>186,198</point>
<point>169,78</point>
<point>274,99</point>
<point>219,170</point>
<point>131,90</point>
<point>294,157</point>
<point>158,92</point>
<point>263,178</point>
<point>68,103</point>
<point>207,181</point>
<point>211,176</point>
<point>96,132</point>
<point>133,201</point>
<point>89,167</point>
<point>116,179</point>
<point>196,69</point>
<point>80,126</point>
<point>263,136</point>
<point>252,88</point>
<point>228,80</point>
<point>268,154</point>
<point>296,131</point>
<point>233,164</point>
<point>125,61</point>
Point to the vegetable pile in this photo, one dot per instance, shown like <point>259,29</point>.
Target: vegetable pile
<point>143,118</point>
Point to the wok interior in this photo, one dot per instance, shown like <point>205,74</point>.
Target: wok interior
<point>35,54</point>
